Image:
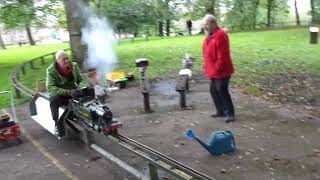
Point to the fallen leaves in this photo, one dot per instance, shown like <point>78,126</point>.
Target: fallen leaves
<point>276,157</point>
<point>223,171</point>
<point>315,154</point>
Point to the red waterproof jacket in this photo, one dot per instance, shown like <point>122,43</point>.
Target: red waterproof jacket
<point>216,54</point>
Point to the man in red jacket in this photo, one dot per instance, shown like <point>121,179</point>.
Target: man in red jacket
<point>218,67</point>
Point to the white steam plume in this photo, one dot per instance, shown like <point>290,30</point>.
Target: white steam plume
<point>98,36</point>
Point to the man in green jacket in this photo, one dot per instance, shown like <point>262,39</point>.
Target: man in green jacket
<point>63,82</point>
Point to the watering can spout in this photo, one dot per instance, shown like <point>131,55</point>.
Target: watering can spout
<point>206,146</point>
<point>191,135</point>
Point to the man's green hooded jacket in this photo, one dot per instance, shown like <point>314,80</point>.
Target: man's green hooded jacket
<point>59,85</point>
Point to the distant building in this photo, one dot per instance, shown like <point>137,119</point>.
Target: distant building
<point>40,36</point>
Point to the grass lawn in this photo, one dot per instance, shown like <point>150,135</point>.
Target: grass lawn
<point>257,55</point>
<point>15,55</point>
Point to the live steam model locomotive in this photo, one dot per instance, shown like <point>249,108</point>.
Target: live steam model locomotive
<point>85,111</point>
<point>94,115</point>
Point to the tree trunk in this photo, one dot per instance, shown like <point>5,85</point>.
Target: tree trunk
<point>135,33</point>
<point>313,12</point>
<point>269,12</point>
<point>210,9</point>
<point>2,45</point>
<point>160,28</point>
<point>168,27</point>
<point>29,34</point>
<point>79,50</point>
<point>297,13</point>
<point>256,13</point>
<point>119,31</point>
<point>242,21</point>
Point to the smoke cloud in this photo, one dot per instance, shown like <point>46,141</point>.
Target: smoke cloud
<point>97,34</point>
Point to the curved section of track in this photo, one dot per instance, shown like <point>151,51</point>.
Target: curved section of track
<point>153,157</point>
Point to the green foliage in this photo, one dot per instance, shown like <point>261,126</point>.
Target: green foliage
<point>25,13</point>
<point>61,17</point>
<point>15,13</point>
<point>134,16</point>
<point>128,15</point>
<point>254,13</point>
<point>241,13</point>
<point>165,9</point>
<point>257,56</point>
<point>279,9</point>
<point>244,14</point>
<point>197,9</point>
<point>316,14</point>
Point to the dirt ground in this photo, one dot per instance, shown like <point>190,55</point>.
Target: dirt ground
<point>297,89</point>
<point>273,141</point>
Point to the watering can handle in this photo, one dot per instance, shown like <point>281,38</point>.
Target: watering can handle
<point>226,132</point>
<point>232,141</point>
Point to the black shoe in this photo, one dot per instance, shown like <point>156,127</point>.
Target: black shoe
<point>58,132</point>
<point>230,119</point>
<point>218,115</point>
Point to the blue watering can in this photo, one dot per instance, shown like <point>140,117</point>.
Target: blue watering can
<point>220,142</point>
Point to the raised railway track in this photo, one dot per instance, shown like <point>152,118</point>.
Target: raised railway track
<point>155,159</point>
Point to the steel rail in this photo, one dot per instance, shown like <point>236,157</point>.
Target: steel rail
<point>162,161</point>
<point>154,157</point>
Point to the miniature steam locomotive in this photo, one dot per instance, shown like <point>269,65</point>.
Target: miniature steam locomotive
<point>85,111</point>
<point>94,115</point>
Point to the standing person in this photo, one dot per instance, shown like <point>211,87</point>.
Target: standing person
<point>218,67</point>
<point>189,27</point>
<point>63,82</point>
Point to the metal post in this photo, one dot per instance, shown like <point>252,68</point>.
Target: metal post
<point>153,172</point>
<point>23,70</point>
<point>42,60</point>
<point>187,85</point>
<point>31,64</point>
<point>13,108</point>
<point>146,103</point>
<point>185,74</point>
<point>87,138</point>
<point>145,92</point>
<point>183,103</point>
<point>313,37</point>
<point>142,65</point>
<point>18,93</point>
<point>18,75</point>
<point>182,87</point>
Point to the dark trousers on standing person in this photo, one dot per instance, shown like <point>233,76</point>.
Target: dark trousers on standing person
<point>57,101</point>
<point>219,89</point>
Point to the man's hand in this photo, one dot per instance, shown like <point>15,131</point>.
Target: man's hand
<point>74,93</point>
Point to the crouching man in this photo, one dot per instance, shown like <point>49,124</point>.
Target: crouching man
<point>63,82</point>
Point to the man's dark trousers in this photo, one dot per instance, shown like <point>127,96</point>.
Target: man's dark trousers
<point>57,101</point>
<point>219,89</point>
